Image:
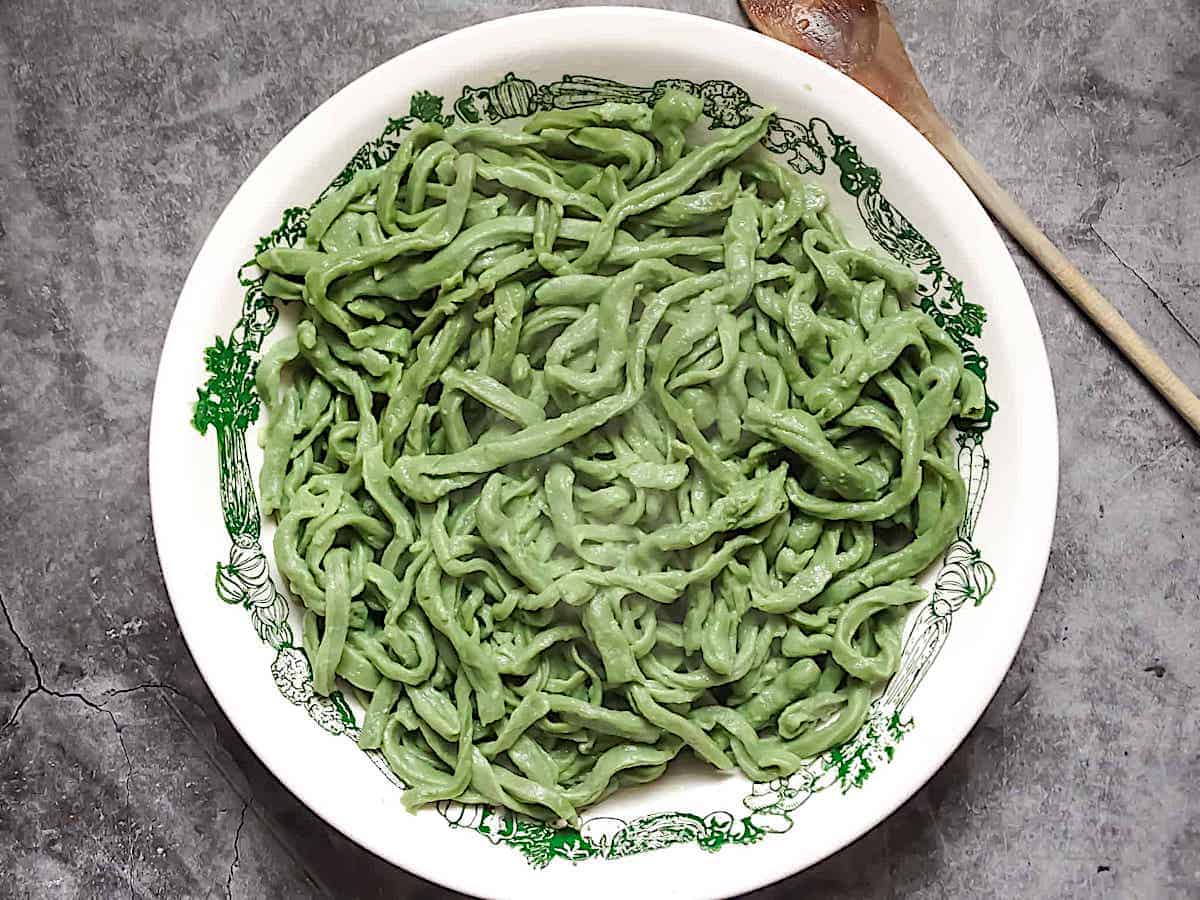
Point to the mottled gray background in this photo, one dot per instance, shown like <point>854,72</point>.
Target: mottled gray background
<point>125,126</point>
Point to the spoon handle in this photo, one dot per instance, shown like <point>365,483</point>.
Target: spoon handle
<point>1069,278</point>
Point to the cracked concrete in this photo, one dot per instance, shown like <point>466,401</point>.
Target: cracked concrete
<point>233,864</point>
<point>1148,286</point>
<point>125,126</point>
<point>40,687</point>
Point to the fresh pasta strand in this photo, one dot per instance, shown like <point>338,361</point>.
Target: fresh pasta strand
<point>593,447</point>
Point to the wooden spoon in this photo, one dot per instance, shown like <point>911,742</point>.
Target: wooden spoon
<point>859,38</point>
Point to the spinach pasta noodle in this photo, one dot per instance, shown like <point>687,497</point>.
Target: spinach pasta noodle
<point>593,447</point>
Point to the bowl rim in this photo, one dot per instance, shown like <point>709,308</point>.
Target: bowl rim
<point>1041,416</point>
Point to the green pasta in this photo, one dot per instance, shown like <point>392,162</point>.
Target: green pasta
<point>593,447</point>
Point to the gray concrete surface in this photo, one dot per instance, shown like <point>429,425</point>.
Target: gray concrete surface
<point>125,125</point>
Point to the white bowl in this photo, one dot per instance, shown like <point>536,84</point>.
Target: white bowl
<point>694,833</point>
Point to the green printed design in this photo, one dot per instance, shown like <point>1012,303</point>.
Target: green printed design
<point>423,107</point>
<point>228,405</point>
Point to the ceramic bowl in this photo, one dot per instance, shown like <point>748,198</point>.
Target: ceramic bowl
<point>694,833</point>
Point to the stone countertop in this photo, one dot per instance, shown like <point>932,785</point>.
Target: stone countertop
<point>125,126</point>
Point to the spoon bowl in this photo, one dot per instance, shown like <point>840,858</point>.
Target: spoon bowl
<point>859,38</point>
<point>844,33</point>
